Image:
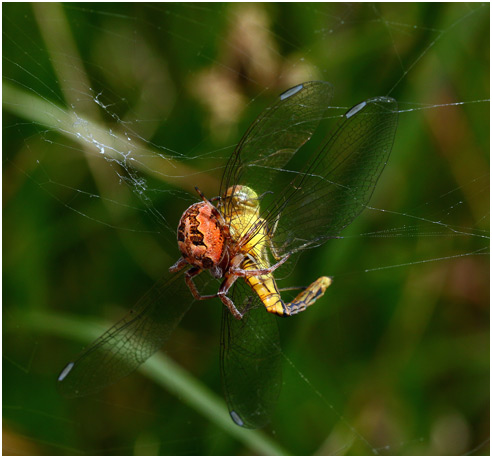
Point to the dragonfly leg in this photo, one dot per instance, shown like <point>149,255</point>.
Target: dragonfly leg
<point>257,272</point>
<point>193,272</point>
<point>271,233</point>
<point>291,288</point>
<point>273,250</point>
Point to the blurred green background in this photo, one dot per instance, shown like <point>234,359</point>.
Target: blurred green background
<point>393,360</point>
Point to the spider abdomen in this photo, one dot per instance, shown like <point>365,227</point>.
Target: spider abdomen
<point>201,238</point>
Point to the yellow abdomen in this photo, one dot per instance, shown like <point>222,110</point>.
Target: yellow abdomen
<point>267,290</point>
<point>243,217</point>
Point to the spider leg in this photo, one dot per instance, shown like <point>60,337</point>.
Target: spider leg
<point>193,272</point>
<point>254,273</point>
<point>223,290</point>
<point>178,265</point>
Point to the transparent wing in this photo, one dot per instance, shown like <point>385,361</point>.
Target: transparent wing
<point>250,359</point>
<point>338,182</point>
<point>131,341</point>
<point>276,135</point>
<point>304,203</point>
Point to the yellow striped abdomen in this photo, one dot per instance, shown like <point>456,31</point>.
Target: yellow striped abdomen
<point>266,289</point>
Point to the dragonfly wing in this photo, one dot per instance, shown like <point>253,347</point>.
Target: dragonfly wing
<point>338,182</point>
<point>276,135</point>
<point>131,341</point>
<point>250,360</point>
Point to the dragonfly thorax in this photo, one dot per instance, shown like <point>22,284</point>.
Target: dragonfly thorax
<point>244,197</point>
<point>241,209</point>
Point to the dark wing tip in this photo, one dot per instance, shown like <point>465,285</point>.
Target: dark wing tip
<point>306,85</point>
<point>66,370</point>
<point>66,387</point>
<point>236,418</point>
<point>290,92</point>
<point>390,102</point>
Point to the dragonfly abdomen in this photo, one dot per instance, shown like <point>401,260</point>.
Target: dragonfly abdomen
<point>266,289</point>
<point>308,296</point>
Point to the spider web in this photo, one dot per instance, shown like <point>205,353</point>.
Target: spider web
<point>114,113</point>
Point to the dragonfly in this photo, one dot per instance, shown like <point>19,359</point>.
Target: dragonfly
<point>271,207</point>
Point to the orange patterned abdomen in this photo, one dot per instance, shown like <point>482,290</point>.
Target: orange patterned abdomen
<point>200,236</point>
